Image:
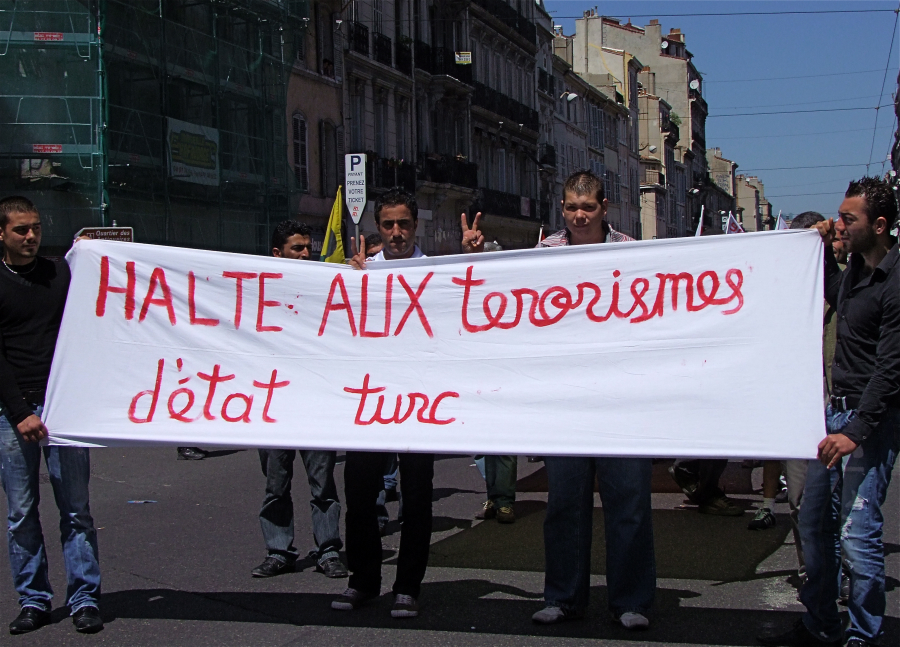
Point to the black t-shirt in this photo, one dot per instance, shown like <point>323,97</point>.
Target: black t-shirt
<point>32,300</point>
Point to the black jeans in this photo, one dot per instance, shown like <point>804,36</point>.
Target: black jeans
<point>363,480</point>
<point>706,472</point>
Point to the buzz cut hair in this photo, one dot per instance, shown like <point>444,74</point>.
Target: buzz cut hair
<point>14,204</point>
<point>879,197</point>
<point>585,183</point>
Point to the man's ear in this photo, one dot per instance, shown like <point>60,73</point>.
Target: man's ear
<point>880,225</point>
<point>276,252</point>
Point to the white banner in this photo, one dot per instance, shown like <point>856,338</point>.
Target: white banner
<point>193,153</point>
<point>685,347</point>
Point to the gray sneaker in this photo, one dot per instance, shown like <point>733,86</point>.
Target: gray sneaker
<point>350,599</point>
<point>551,615</point>
<point>405,606</point>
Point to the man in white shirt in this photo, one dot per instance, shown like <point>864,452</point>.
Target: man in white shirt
<point>396,214</point>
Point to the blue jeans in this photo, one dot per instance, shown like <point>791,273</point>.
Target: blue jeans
<point>276,517</point>
<point>841,511</point>
<point>500,474</point>
<point>69,469</point>
<point>630,561</point>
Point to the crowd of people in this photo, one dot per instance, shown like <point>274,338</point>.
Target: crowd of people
<point>835,501</point>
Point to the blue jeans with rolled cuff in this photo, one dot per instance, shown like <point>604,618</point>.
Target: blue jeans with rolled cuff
<point>276,517</point>
<point>841,513</point>
<point>568,526</point>
<point>69,469</point>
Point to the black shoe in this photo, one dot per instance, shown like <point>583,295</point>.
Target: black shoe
<point>272,566</point>
<point>332,567</point>
<point>721,506</point>
<point>87,620</point>
<point>797,636</point>
<point>29,619</point>
<point>857,642</point>
<point>191,454</point>
<point>685,481</point>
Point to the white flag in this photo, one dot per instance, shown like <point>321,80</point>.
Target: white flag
<point>700,224</point>
<point>733,226</point>
<point>781,224</point>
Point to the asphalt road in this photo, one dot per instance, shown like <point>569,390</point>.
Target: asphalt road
<point>177,571</point>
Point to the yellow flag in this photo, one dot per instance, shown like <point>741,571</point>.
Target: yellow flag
<point>333,248</point>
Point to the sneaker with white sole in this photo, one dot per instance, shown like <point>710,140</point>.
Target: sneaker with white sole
<point>763,520</point>
<point>350,599</point>
<point>551,615</point>
<point>405,606</point>
<point>633,620</point>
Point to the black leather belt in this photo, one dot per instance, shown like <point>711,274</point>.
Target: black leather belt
<point>844,402</point>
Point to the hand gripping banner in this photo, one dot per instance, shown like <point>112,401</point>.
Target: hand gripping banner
<point>705,347</point>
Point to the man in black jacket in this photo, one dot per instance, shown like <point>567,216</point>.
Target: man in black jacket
<point>847,486</point>
<point>32,298</point>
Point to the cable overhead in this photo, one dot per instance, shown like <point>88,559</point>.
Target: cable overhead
<point>793,168</point>
<point>883,81</point>
<point>736,13</point>
<point>792,112</point>
<point>821,132</point>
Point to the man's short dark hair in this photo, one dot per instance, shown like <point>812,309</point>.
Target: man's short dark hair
<point>394,198</point>
<point>879,197</point>
<point>806,220</point>
<point>585,183</point>
<point>372,240</point>
<point>285,229</point>
<point>14,204</point>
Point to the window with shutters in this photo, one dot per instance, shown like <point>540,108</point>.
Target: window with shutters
<point>378,9</point>
<point>301,153</point>
<point>501,169</point>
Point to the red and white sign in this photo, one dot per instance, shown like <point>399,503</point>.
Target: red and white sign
<point>46,148</point>
<point>612,349</point>
<point>48,36</point>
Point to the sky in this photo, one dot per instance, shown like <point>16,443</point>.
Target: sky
<point>840,59</point>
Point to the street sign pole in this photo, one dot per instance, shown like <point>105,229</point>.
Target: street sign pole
<point>355,186</point>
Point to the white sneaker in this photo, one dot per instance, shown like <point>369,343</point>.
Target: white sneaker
<point>633,620</point>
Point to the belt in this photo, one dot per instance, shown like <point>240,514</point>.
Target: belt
<point>844,402</point>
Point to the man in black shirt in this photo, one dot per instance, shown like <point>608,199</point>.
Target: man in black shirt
<point>32,298</point>
<point>847,486</point>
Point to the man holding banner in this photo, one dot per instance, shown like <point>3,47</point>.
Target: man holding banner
<point>847,486</point>
<point>293,240</point>
<point>397,216</point>
<point>32,297</point>
<point>624,482</point>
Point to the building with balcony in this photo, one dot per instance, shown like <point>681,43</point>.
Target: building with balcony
<point>677,81</point>
<point>748,204</point>
<point>504,118</point>
<point>614,72</point>
<point>766,220</point>
<point>662,171</point>
<point>314,49</point>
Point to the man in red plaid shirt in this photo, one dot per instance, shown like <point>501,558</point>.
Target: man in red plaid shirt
<point>624,482</point>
